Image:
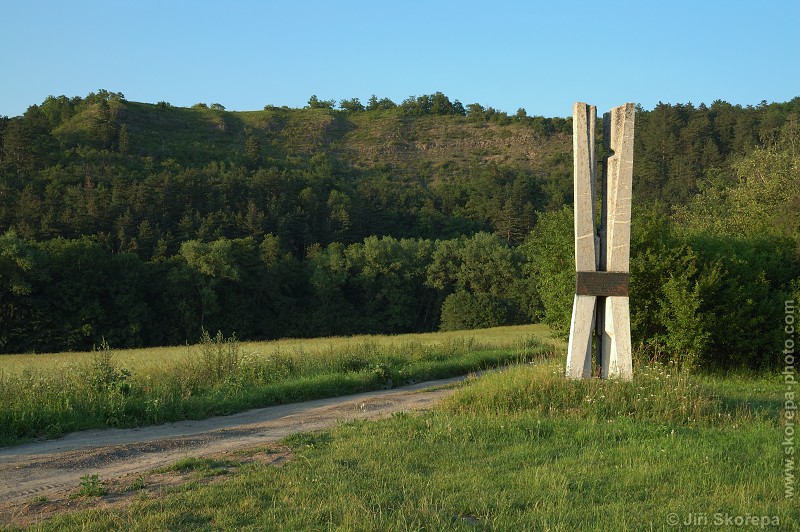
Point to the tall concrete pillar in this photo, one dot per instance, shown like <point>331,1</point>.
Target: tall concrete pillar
<point>616,340</point>
<point>579,352</point>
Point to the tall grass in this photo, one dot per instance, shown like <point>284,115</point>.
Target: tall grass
<point>660,393</point>
<point>155,359</point>
<point>222,376</point>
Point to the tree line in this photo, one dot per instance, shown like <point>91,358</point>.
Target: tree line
<point>72,294</point>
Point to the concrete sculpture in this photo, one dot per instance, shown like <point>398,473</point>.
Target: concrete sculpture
<point>600,308</point>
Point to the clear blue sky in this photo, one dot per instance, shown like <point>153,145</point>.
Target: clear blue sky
<point>540,55</point>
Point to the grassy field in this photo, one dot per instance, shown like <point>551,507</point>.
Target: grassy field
<point>520,449</point>
<point>51,394</point>
<point>157,358</point>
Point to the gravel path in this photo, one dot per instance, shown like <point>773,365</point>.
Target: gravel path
<point>47,469</point>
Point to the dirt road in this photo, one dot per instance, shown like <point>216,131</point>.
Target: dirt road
<point>47,469</point>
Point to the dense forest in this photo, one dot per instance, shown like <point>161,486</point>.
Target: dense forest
<point>143,224</point>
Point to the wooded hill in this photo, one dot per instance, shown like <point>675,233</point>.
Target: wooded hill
<point>305,175</point>
<point>146,176</point>
<point>143,223</point>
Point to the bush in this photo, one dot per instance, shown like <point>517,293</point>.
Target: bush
<point>465,310</point>
<point>705,300</point>
<point>702,300</point>
<point>104,375</point>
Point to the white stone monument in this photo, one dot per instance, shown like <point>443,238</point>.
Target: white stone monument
<point>600,309</point>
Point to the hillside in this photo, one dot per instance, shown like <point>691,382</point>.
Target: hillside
<point>197,135</point>
<point>306,175</point>
<point>424,168</point>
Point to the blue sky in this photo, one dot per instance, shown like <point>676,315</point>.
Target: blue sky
<point>542,56</point>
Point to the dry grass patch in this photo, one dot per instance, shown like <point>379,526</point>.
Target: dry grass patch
<point>121,494</point>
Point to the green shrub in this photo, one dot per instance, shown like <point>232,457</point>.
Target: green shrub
<point>91,486</point>
<point>702,300</point>
<point>103,374</point>
<point>220,357</point>
<point>465,310</point>
<point>551,262</point>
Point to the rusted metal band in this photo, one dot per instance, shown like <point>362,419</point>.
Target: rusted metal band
<point>602,284</point>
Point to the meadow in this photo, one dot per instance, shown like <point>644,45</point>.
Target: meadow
<point>46,395</point>
<point>517,449</point>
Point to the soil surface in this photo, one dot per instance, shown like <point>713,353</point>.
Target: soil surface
<point>39,479</point>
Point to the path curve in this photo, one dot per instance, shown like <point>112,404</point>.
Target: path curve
<point>43,468</point>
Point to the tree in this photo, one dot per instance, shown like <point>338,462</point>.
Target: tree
<point>27,143</point>
<point>252,151</point>
<point>209,264</point>
<point>103,95</point>
<point>77,309</point>
<point>483,273</point>
<point>476,111</point>
<point>431,104</point>
<point>441,105</point>
<point>316,103</point>
<point>352,106</point>
<point>339,217</point>
<point>59,109</point>
<point>550,249</point>
<point>517,215</point>
<point>20,270</point>
<point>374,104</point>
<point>124,140</point>
<point>388,280</point>
<point>330,311</point>
<point>487,265</point>
<point>762,199</point>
